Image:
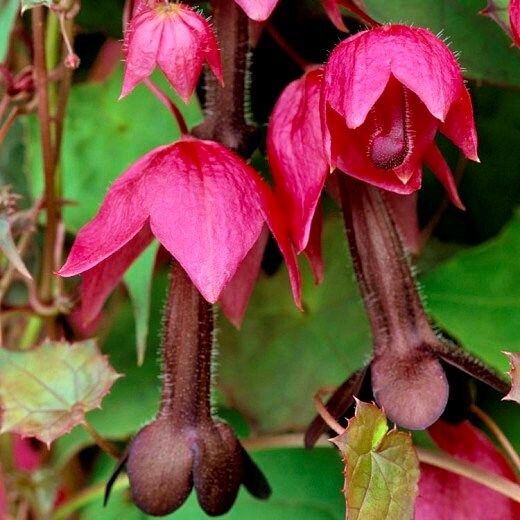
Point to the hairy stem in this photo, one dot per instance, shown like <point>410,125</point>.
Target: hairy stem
<point>225,108</point>
<point>393,305</point>
<point>187,344</point>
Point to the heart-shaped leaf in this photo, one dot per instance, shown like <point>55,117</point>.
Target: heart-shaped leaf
<point>381,467</point>
<point>47,391</point>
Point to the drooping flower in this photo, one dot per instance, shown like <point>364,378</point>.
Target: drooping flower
<point>386,93</point>
<point>204,204</point>
<point>514,20</point>
<point>295,146</point>
<point>176,39</point>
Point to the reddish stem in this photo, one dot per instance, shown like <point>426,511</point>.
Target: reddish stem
<point>353,8</point>
<point>41,85</point>
<point>169,104</point>
<point>287,47</point>
<point>187,344</point>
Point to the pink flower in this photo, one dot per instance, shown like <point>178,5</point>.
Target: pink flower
<point>514,20</point>
<point>258,10</point>
<point>297,155</point>
<point>173,37</point>
<point>204,204</point>
<point>443,494</point>
<point>386,92</point>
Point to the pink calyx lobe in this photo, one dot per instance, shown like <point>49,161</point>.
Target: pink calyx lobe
<point>296,153</point>
<point>386,92</point>
<point>176,39</point>
<point>204,204</point>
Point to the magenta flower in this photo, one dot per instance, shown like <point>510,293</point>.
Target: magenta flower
<point>205,205</point>
<point>297,155</point>
<point>514,20</point>
<point>258,10</point>
<point>386,92</point>
<point>176,39</point>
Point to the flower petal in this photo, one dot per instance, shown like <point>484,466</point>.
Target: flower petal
<point>438,165</point>
<point>459,126</point>
<point>187,40</point>
<point>514,20</point>
<point>276,221</point>
<point>258,10</point>
<point>206,210</point>
<point>296,153</point>
<point>121,216</point>
<point>236,294</point>
<point>443,494</point>
<point>359,68</point>
<point>348,154</point>
<point>313,251</point>
<point>142,43</point>
<point>97,283</point>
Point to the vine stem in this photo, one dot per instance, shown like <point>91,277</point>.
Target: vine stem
<point>105,445</point>
<point>499,435</point>
<point>353,8</point>
<point>287,47</point>
<point>169,104</point>
<point>48,155</point>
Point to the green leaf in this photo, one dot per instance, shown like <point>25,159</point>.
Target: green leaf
<point>8,12</point>
<point>490,190</point>
<point>29,4</point>
<point>138,279</point>
<point>306,486</point>
<point>475,296</point>
<point>498,11</point>
<point>47,391</point>
<point>485,51</point>
<point>514,373</point>
<point>8,247</point>
<point>103,137</point>
<point>381,468</point>
<point>273,366</point>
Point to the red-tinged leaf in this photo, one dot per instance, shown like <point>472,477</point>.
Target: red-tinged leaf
<point>514,373</point>
<point>443,494</point>
<point>381,467</point>
<point>8,247</point>
<point>47,391</point>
